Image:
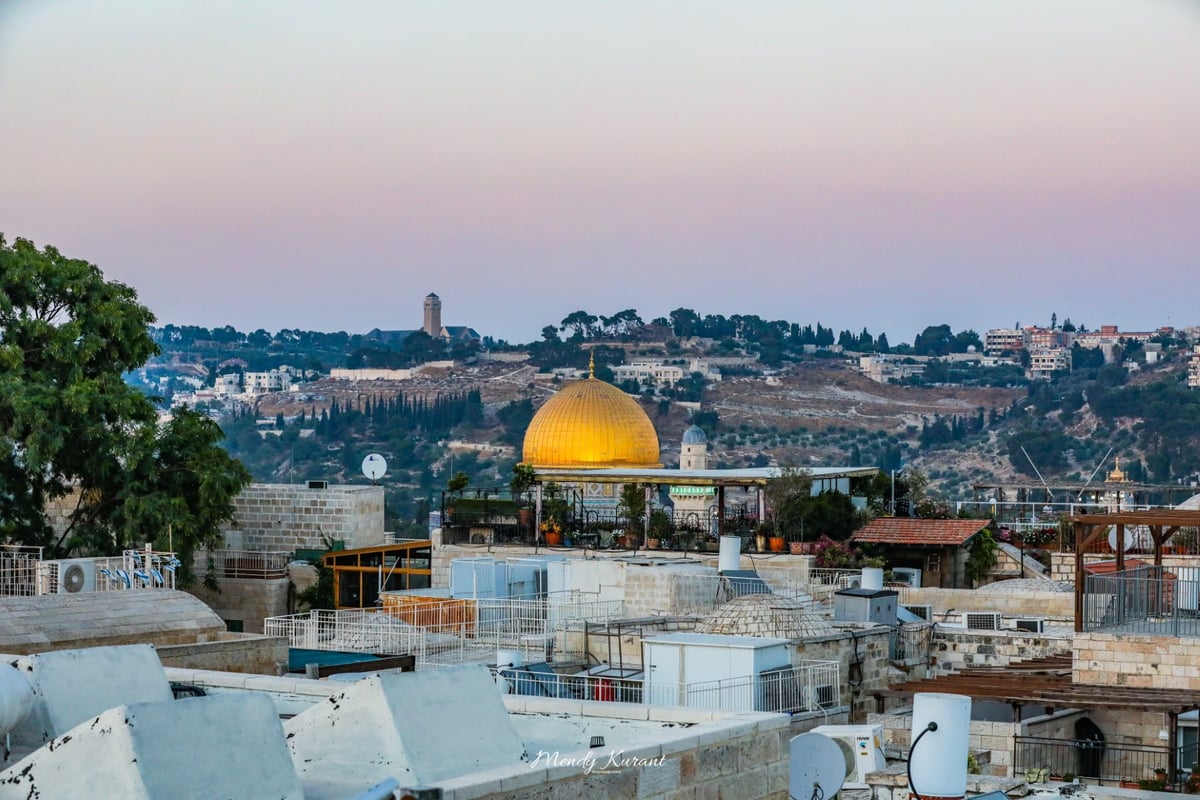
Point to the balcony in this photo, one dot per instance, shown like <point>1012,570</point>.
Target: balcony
<point>250,564</point>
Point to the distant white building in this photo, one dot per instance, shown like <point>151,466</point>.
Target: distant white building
<point>883,368</point>
<point>1047,360</point>
<point>1194,368</point>
<point>661,373</point>
<point>228,385</point>
<point>276,380</point>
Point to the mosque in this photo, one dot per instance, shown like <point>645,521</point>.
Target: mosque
<point>591,439</point>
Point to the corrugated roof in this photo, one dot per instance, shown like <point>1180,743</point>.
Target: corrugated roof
<point>903,530</point>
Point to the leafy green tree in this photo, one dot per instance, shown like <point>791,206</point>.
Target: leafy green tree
<point>981,556</point>
<point>68,419</point>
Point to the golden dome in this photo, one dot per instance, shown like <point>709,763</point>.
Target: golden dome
<point>591,424</point>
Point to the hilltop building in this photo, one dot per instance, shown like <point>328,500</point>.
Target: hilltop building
<point>431,325</point>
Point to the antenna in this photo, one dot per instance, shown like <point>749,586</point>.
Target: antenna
<point>1093,475</point>
<point>1049,494</point>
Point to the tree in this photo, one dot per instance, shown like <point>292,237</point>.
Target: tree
<point>69,421</point>
<point>784,496</point>
<point>981,556</point>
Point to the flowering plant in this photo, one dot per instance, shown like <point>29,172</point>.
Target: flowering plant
<point>551,526</point>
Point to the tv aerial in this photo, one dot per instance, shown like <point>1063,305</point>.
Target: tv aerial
<point>374,466</point>
<point>818,768</point>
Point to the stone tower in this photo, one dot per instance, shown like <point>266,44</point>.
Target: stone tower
<point>433,315</point>
<point>693,452</point>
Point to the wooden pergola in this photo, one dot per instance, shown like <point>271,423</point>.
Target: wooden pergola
<point>1162,524</point>
<point>1047,682</point>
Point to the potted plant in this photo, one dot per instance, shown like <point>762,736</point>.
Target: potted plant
<point>1152,784</point>
<point>522,481</point>
<point>552,533</point>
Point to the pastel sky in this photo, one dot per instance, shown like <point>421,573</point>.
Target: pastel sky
<point>294,163</point>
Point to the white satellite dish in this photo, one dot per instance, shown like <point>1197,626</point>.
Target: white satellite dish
<point>817,768</point>
<point>1125,544</point>
<point>374,466</point>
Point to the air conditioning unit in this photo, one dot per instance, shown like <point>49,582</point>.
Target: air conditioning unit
<point>924,612</point>
<point>909,576</point>
<point>76,575</point>
<point>1031,625</point>
<point>982,620</point>
<point>862,748</point>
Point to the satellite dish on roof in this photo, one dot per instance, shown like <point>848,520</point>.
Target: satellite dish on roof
<point>374,466</point>
<point>815,762</point>
<point>1126,543</point>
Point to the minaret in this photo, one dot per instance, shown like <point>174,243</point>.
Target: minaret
<point>693,451</point>
<point>433,315</point>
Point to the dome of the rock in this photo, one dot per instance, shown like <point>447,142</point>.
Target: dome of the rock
<point>591,424</point>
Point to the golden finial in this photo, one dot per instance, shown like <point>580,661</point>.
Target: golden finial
<point>592,364</point>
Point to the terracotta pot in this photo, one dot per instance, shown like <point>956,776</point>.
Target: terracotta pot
<point>778,544</point>
<point>653,544</point>
<point>554,539</point>
<point>524,517</point>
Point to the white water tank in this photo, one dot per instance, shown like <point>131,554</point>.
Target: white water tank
<point>938,762</point>
<point>16,698</point>
<point>730,556</point>
<point>872,578</point>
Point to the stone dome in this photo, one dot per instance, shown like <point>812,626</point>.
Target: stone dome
<point>769,615</point>
<point>694,435</point>
<point>591,424</point>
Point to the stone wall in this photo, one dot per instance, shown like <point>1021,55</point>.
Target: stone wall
<point>249,600</point>
<point>231,652</point>
<point>865,646</point>
<point>1047,605</point>
<point>735,757</point>
<point>1161,662</point>
<point>287,517</point>
<point>955,650</point>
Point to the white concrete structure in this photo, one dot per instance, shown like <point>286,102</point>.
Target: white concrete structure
<point>418,727</point>
<point>72,686</point>
<point>204,747</point>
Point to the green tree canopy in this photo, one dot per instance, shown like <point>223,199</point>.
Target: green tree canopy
<point>68,419</point>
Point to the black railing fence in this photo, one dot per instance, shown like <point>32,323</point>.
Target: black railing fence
<point>1038,759</point>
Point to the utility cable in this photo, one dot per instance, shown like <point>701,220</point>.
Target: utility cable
<point>932,726</point>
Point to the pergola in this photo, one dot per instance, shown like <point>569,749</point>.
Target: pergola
<point>1162,524</point>
<point>1047,682</point>
<point>822,477</point>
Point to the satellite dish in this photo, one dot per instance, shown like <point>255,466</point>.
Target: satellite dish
<point>374,466</point>
<point>817,767</point>
<point>1125,545</point>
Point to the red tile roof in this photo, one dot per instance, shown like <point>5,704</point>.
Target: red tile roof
<point>903,530</point>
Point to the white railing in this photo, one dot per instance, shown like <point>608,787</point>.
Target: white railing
<point>134,569</point>
<point>520,680</point>
<point>703,593</point>
<point>18,570</point>
<point>809,686</point>
<point>444,632</point>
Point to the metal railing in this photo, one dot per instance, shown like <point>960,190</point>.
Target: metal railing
<point>19,570</point>
<point>261,565</point>
<point>446,632</point>
<point>808,686</point>
<point>911,644</point>
<point>1037,758</point>
<point>1147,600</point>
<point>134,569</point>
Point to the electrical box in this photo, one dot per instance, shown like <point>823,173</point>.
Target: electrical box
<point>865,605</point>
